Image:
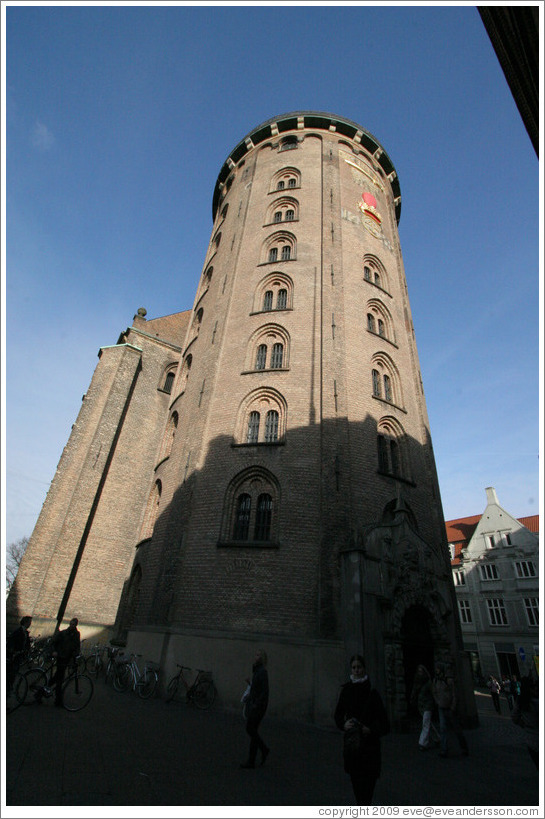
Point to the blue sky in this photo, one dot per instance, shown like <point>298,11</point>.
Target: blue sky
<point>118,120</point>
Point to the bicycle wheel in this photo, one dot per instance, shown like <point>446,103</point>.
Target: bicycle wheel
<point>147,683</point>
<point>36,679</point>
<point>205,694</point>
<point>94,665</point>
<point>122,676</point>
<point>77,692</point>
<point>17,693</point>
<point>172,689</point>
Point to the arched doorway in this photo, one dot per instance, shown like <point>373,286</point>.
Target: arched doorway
<point>417,645</point>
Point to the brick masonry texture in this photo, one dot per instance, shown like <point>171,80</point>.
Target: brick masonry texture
<point>327,487</point>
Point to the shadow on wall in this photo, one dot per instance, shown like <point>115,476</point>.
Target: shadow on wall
<point>252,539</point>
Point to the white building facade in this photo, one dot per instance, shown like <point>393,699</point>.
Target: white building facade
<point>495,565</point>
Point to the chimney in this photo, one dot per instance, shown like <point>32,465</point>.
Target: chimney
<point>491,496</point>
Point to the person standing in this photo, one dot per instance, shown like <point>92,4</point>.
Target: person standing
<point>256,706</point>
<point>66,647</point>
<point>506,688</point>
<point>494,688</point>
<point>17,647</point>
<point>526,715</point>
<point>444,694</point>
<point>422,699</point>
<point>360,707</point>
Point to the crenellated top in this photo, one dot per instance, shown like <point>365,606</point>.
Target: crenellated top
<point>315,120</point>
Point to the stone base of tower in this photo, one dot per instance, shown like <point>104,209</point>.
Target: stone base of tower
<point>304,675</point>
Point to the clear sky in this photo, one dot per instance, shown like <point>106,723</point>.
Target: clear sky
<point>118,120</point>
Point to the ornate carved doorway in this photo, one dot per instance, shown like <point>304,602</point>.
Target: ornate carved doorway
<point>417,644</point>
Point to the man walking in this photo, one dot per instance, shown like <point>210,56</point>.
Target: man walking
<point>66,646</point>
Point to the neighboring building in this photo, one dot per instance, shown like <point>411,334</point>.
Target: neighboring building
<point>495,567</point>
<point>266,459</point>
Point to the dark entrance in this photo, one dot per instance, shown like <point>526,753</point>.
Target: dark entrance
<point>417,645</point>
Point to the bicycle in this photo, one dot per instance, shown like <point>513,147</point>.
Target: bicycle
<point>127,673</point>
<point>16,692</point>
<point>94,662</point>
<point>115,656</point>
<point>77,690</point>
<point>202,690</point>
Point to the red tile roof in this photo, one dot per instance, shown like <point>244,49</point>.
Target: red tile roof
<point>460,532</point>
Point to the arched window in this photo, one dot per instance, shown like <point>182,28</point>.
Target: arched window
<point>242,518</point>
<point>375,272</point>
<point>169,381</point>
<point>281,246</point>
<point>274,292</point>
<point>285,178</point>
<point>261,358</point>
<point>392,449</point>
<point>253,427</point>
<point>168,437</point>
<point>386,380</point>
<point>267,403</point>
<point>152,509</point>
<point>387,388</point>
<point>379,319</point>
<point>250,513</point>
<point>376,383</point>
<point>289,143</point>
<point>263,517</point>
<point>277,356</point>
<point>271,427</point>
<point>283,209</point>
<point>268,349</point>
<point>186,368</point>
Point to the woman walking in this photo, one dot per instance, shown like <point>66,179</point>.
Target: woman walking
<point>422,699</point>
<point>360,712</point>
<point>256,705</point>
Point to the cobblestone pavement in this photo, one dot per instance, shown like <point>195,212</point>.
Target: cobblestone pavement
<point>125,751</point>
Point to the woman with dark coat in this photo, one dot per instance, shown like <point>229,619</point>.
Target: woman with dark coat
<point>360,704</point>
<point>256,705</point>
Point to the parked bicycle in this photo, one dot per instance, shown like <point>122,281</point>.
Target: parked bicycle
<point>94,661</point>
<point>17,692</point>
<point>202,690</point>
<point>115,656</point>
<point>127,674</point>
<point>77,690</point>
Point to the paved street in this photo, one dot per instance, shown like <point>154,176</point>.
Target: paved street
<point>125,751</point>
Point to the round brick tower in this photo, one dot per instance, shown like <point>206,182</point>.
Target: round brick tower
<point>295,505</point>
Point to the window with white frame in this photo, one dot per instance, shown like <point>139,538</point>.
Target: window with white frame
<point>531,604</point>
<point>459,578</point>
<point>497,614</point>
<point>490,541</point>
<point>465,611</point>
<point>525,568</point>
<point>489,571</point>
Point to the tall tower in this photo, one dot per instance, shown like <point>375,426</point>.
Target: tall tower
<point>292,498</point>
<point>299,505</point>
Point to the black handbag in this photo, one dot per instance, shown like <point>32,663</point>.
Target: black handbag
<point>353,740</point>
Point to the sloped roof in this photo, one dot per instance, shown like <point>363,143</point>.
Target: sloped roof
<point>460,531</point>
